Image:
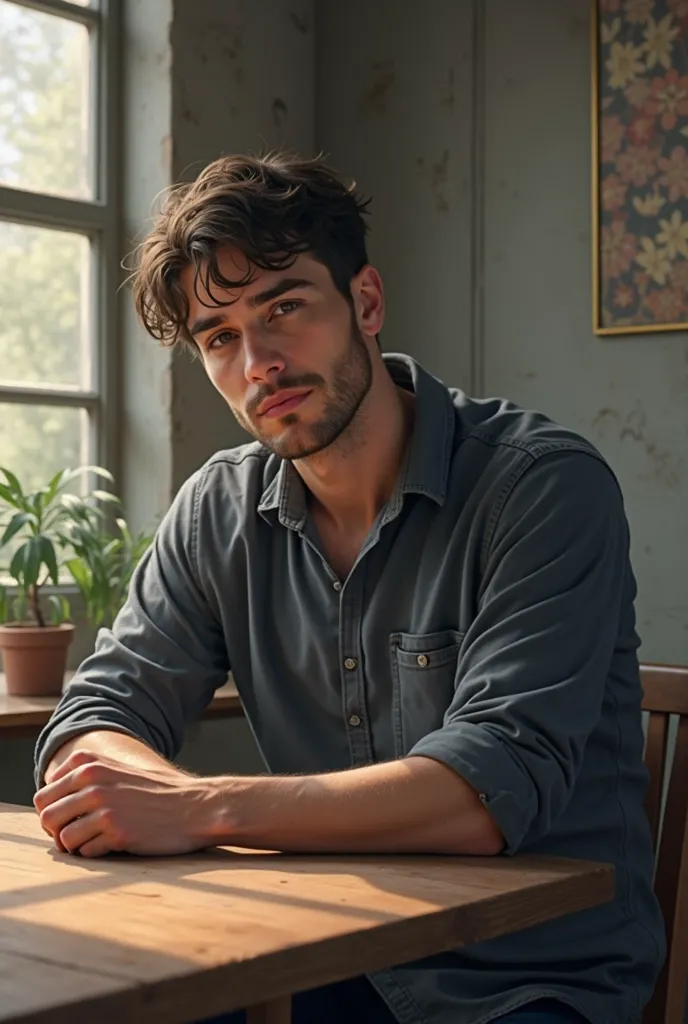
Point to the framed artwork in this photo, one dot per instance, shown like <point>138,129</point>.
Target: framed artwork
<point>640,166</point>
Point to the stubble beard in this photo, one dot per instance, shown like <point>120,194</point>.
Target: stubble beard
<point>351,381</point>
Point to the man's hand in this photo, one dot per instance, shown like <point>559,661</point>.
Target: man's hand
<point>96,804</point>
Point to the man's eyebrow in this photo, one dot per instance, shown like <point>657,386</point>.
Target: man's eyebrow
<point>205,324</point>
<point>287,284</point>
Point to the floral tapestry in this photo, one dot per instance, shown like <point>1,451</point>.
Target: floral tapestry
<point>641,165</point>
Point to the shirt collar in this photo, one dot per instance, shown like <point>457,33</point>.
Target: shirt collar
<point>425,469</point>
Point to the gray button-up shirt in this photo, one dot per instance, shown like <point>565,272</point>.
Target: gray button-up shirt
<point>487,623</point>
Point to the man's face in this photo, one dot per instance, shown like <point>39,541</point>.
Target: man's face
<point>286,351</point>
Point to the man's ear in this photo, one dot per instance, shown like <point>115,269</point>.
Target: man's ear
<point>368,297</point>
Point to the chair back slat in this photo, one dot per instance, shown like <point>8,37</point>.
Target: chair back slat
<point>655,759</point>
<point>665,689</point>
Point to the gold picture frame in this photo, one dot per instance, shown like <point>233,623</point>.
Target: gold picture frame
<point>639,53</point>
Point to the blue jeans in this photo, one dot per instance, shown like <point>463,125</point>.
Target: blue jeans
<point>356,1000</point>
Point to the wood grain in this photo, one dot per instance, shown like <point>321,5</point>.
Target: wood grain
<point>20,716</point>
<point>665,690</point>
<point>176,939</point>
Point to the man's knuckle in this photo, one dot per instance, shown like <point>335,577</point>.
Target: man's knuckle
<point>95,795</point>
<point>78,758</point>
<point>89,774</point>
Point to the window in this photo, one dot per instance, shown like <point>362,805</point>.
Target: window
<point>59,244</point>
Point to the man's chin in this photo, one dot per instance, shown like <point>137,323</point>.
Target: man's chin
<point>292,448</point>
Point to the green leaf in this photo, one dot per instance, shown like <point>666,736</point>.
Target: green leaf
<point>70,501</point>
<point>48,557</point>
<point>72,474</point>
<point>79,572</point>
<point>32,561</point>
<point>17,563</point>
<point>15,524</point>
<point>106,496</point>
<point>59,609</point>
<point>9,497</point>
<point>4,609</point>
<point>54,486</point>
<point>55,609</point>
<point>14,484</point>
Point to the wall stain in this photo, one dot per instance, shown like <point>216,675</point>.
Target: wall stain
<point>437,175</point>
<point>298,22</point>
<point>438,180</point>
<point>376,97</point>
<point>230,46</point>
<point>447,98</point>
<point>279,111</point>
<point>665,466</point>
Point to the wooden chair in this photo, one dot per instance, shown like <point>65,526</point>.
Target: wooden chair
<point>666,693</point>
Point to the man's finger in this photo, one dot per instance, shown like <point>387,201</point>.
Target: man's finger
<point>78,778</point>
<point>83,831</point>
<point>59,814</point>
<point>75,760</point>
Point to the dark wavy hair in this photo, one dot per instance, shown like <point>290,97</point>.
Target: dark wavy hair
<point>271,208</point>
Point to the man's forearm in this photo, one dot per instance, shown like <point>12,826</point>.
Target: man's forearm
<point>414,805</point>
<point>111,743</point>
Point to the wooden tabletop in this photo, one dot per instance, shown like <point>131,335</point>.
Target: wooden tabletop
<point>169,940</point>
<point>20,715</point>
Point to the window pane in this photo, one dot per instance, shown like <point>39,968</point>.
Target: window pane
<point>38,440</point>
<point>44,107</point>
<point>43,306</point>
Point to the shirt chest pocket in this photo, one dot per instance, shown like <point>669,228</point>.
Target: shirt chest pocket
<point>424,679</point>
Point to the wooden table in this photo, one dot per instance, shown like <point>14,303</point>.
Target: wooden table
<point>169,940</point>
<point>24,716</point>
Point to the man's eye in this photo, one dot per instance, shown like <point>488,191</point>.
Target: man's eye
<point>221,339</point>
<point>288,306</point>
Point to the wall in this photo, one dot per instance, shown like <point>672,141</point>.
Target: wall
<point>628,394</point>
<point>242,80</point>
<point>393,110</point>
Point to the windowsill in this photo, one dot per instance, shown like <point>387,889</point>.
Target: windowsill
<point>20,715</point>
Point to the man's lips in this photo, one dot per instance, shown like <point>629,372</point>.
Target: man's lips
<point>282,403</point>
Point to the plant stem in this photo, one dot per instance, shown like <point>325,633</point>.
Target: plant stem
<point>35,606</point>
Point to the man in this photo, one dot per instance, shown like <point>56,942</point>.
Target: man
<point>426,603</point>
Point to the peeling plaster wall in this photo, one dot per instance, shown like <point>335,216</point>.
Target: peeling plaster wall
<point>145,428</point>
<point>629,395</point>
<point>393,110</point>
<point>242,80</point>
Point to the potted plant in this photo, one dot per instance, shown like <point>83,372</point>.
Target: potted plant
<point>102,564</point>
<point>35,631</point>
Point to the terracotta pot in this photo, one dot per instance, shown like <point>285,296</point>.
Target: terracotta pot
<point>35,658</point>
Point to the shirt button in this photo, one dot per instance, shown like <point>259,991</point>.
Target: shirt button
<point>355,720</point>
<point>337,585</point>
<point>350,664</point>
<point>422,660</point>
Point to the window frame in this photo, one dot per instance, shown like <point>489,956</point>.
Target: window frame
<point>98,218</point>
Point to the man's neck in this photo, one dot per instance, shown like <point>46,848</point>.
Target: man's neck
<point>351,481</point>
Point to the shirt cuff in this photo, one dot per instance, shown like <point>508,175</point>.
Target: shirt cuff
<point>485,762</point>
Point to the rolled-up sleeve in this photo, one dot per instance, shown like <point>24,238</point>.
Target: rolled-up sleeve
<point>159,665</point>
<point>533,665</point>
